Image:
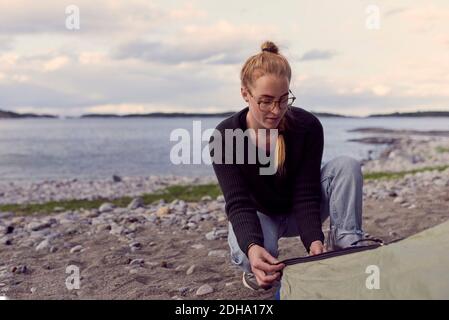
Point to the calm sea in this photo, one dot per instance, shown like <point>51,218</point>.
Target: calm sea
<point>38,149</point>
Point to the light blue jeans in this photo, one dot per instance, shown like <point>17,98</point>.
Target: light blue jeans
<point>341,200</point>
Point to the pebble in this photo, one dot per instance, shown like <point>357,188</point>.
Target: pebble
<point>106,207</point>
<point>190,270</point>
<point>183,291</point>
<point>43,245</point>
<point>136,203</point>
<point>206,198</point>
<point>37,226</point>
<point>22,269</point>
<point>399,200</point>
<point>204,289</point>
<point>198,246</point>
<point>76,249</point>
<point>135,246</point>
<point>162,211</point>
<point>134,271</point>
<point>217,234</point>
<point>218,253</point>
<point>137,262</point>
<point>116,178</point>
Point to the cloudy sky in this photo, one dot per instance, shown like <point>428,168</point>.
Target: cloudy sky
<point>139,56</point>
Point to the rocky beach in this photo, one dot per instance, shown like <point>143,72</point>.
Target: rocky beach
<point>165,237</point>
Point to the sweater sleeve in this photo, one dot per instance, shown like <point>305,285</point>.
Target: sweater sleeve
<point>239,207</point>
<point>307,187</point>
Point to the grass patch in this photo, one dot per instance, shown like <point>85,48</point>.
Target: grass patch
<point>400,174</point>
<point>186,193</point>
<point>442,149</point>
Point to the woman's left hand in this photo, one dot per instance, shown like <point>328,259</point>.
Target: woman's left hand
<point>316,247</point>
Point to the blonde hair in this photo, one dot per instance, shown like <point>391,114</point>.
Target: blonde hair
<point>269,61</point>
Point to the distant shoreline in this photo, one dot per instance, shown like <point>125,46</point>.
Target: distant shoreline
<point>14,115</point>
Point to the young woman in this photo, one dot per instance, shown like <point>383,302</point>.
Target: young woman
<point>301,194</point>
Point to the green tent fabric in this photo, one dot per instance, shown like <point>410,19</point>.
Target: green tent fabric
<point>414,268</point>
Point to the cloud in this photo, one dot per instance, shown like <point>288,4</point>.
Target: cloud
<point>219,43</point>
<point>188,11</point>
<point>167,53</point>
<point>55,63</point>
<point>316,54</point>
<point>104,16</point>
<point>6,43</point>
<point>394,12</point>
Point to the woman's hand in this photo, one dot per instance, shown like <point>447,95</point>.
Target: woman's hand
<point>316,247</point>
<point>264,266</point>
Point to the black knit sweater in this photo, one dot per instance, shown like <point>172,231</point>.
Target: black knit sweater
<point>296,192</point>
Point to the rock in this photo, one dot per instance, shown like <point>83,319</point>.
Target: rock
<point>137,262</point>
<point>162,211</point>
<point>106,207</point>
<point>116,178</point>
<point>206,198</point>
<point>392,194</point>
<point>191,225</point>
<point>43,245</point>
<point>211,236</point>
<point>33,290</point>
<point>223,233</point>
<point>37,226</point>
<point>22,269</point>
<point>183,291</point>
<point>198,246</point>
<point>6,240</point>
<point>399,200</point>
<point>134,271</point>
<point>53,249</point>
<point>218,253</point>
<point>196,218</point>
<point>152,218</point>
<point>135,246</point>
<point>217,234</point>
<point>6,215</point>
<point>76,249</point>
<point>220,198</point>
<point>93,214</point>
<point>204,289</point>
<point>190,270</point>
<point>4,230</point>
<point>136,203</point>
<point>117,230</point>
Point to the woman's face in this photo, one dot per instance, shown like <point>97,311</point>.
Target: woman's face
<point>266,88</point>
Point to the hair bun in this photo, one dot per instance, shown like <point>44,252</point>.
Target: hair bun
<point>270,47</point>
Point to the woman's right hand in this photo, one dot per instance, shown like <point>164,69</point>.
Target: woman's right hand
<point>265,267</point>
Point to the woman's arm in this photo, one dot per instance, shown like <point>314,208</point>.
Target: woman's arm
<point>239,207</point>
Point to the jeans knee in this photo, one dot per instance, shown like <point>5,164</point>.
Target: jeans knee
<point>348,165</point>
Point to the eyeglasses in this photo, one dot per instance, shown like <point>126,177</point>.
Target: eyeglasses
<point>266,105</point>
